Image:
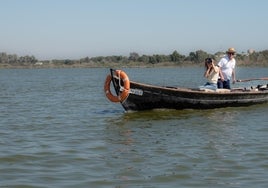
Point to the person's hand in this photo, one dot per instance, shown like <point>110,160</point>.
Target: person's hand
<point>234,81</point>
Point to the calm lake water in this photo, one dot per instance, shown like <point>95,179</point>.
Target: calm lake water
<point>57,129</point>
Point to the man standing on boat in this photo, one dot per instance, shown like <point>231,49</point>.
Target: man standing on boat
<point>227,69</point>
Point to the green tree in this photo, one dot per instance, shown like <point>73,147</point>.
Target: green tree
<point>133,56</point>
<point>144,59</point>
<point>176,57</point>
<point>198,56</point>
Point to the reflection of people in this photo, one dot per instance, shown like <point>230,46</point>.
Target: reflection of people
<point>227,69</point>
<point>212,75</point>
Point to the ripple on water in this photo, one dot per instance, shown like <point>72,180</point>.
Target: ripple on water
<point>57,129</point>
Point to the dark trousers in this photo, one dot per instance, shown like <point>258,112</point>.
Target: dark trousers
<point>224,84</point>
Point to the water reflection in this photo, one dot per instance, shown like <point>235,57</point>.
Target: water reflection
<point>175,146</point>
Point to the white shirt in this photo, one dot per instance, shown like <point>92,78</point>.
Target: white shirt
<point>227,66</point>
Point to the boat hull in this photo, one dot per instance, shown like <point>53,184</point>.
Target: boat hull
<point>145,97</point>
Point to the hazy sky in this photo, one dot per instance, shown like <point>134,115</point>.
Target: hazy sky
<point>73,29</point>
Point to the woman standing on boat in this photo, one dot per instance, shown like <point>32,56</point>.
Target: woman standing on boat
<point>227,69</point>
<point>212,75</point>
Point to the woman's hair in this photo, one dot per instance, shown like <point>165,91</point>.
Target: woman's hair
<point>208,60</point>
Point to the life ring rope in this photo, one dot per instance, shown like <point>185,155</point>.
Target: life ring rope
<point>123,91</point>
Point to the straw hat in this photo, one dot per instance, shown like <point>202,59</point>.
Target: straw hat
<point>231,50</point>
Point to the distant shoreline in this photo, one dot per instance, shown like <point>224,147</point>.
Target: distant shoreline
<point>87,65</point>
<point>113,65</point>
<point>250,59</point>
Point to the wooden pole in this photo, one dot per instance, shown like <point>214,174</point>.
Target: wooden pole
<point>251,79</point>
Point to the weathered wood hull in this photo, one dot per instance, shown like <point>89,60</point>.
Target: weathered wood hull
<point>145,97</point>
<point>177,98</point>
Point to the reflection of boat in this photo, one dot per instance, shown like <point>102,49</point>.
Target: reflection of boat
<point>138,96</point>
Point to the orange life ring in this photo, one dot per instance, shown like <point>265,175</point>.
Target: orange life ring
<point>125,89</point>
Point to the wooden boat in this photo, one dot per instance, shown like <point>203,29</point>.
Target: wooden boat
<point>136,96</point>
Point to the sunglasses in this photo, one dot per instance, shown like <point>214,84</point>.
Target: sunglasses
<point>231,53</point>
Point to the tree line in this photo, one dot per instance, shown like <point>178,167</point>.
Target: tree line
<point>15,59</point>
<point>175,58</point>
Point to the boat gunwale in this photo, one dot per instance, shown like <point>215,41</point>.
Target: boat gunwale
<point>238,91</point>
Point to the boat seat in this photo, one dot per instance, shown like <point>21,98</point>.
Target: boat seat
<point>207,90</point>
<point>217,90</point>
<point>223,90</point>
